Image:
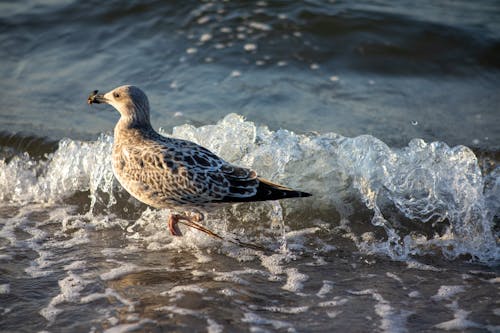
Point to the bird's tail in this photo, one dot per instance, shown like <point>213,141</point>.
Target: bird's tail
<point>268,190</point>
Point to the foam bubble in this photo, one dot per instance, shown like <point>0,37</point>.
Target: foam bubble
<point>423,267</point>
<point>392,320</point>
<point>286,310</point>
<point>214,327</point>
<point>120,271</point>
<point>394,276</point>
<point>295,280</point>
<point>134,327</point>
<point>234,276</point>
<point>494,280</point>
<point>4,289</point>
<point>70,288</point>
<point>76,265</point>
<point>333,314</point>
<point>205,37</point>
<point>460,322</point>
<point>178,310</point>
<point>446,292</point>
<point>259,26</point>
<point>203,20</point>
<point>325,289</point>
<point>250,47</point>
<point>192,288</point>
<point>254,319</point>
<point>235,73</point>
<point>337,301</point>
<point>106,295</point>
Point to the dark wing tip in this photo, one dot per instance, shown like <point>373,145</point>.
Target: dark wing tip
<point>268,190</point>
<point>304,194</point>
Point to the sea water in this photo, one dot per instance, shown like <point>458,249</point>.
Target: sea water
<point>387,113</point>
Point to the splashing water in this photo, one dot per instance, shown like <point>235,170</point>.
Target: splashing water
<point>425,196</point>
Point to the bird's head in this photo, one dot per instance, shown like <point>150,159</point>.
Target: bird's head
<point>130,101</point>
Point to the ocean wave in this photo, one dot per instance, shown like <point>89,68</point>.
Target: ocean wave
<point>366,37</point>
<point>417,200</point>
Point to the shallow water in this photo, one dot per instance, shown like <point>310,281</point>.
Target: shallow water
<point>387,113</point>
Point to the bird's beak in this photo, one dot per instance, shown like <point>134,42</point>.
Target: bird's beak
<point>96,98</point>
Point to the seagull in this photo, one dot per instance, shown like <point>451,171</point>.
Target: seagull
<point>180,175</point>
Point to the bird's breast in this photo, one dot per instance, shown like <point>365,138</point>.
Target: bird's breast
<point>137,177</point>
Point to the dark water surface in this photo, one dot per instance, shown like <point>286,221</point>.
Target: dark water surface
<point>388,112</point>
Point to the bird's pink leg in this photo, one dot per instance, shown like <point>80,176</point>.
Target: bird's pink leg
<point>172,225</point>
<point>189,221</point>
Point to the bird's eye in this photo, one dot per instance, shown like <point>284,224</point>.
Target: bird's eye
<point>116,95</point>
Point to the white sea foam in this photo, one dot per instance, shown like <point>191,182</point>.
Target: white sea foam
<point>423,267</point>
<point>431,184</point>
<point>44,246</point>
<point>70,288</point>
<point>254,319</point>
<point>273,263</point>
<point>74,166</point>
<point>426,182</point>
<point>250,47</point>
<point>394,276</point>
<point>115,273</point>
<point>178,291</point>
<point>337,301</point>
<point>446,292</point>
<point>460,322</point>
<point>333,314</point>
<point>295,280</point>
<point>325,289</point>
<point>282,309</point>
<point>76,265</point>
<point>106,295</point>
<point>392,320</point>
<point>205,37</point>
<point>180,311</point>
<point>494,280</point>
<point>228,292</point>
<point>214,327</point>
<point>235,276</point>
<point>134,327</point>
<point>260,26</point>
<point>4,289</point>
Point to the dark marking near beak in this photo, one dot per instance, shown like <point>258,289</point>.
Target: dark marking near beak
<point>95,98</point>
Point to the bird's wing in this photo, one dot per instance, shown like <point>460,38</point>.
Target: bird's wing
<point>189,173</point>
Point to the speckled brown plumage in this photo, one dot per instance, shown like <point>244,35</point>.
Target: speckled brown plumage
<point>165,172</point>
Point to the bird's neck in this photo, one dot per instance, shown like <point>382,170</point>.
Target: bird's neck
<point>133,122</point>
